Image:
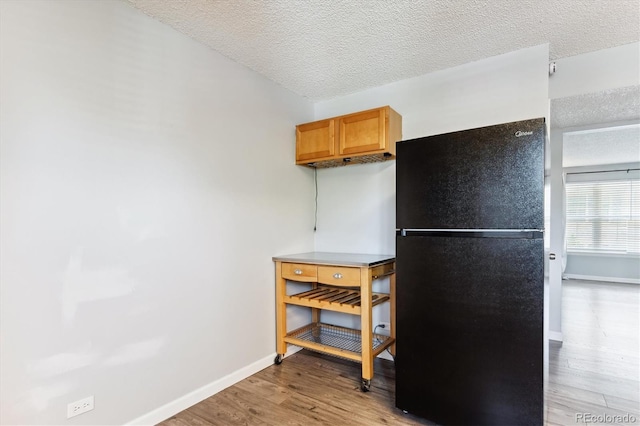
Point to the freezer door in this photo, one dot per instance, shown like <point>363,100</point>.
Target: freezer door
<point>487,178</point>
<point>469,330</point>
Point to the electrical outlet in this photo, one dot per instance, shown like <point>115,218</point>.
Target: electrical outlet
<point>386,330</point>
<point>80,406</point>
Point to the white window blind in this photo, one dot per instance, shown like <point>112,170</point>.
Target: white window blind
<point>604,216</point>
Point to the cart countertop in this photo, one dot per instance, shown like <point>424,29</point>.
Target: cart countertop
<point>337,259</point>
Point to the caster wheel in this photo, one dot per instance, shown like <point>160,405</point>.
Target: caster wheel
<point>365,386</point>
<point>278,359</point>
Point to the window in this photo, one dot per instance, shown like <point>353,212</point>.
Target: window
<point>604,216</point>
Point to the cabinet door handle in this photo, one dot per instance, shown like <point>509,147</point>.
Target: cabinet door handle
<point>298,271</point>
<point>552,256</point>
<point>337,275</point>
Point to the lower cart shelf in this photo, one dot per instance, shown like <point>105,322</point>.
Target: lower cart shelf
<point>335,340</point>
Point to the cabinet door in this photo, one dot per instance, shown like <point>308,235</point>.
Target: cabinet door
<point>362,132</point>
<point>315,140</point>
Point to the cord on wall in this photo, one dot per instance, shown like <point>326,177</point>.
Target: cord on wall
<point>378,340</point>
<point>315,180</point>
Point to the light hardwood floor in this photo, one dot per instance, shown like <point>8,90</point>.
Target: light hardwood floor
<point>595,371</point>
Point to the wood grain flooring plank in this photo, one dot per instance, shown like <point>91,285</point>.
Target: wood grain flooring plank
<point>185,418</point>
<point>587,380</point>
<point>555,390</point>
<point>573,411</point>
<point>264,389</point>
<point>222,409</point>
<point>623,404</point>
<point>278,414</point>
<point>606,368</point>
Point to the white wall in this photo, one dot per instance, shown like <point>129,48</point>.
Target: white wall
<point>603,268</point>
<point>556,234</point>
<point>596,71</point>
<point>356,210</point>
<point>146,183</point>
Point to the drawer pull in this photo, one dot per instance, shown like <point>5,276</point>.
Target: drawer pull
<point>337,275</point>
<point>298,271</point>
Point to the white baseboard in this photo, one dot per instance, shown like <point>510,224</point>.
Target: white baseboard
<point>555,336</point>
<point>609,279</point>
<point>164,412</point>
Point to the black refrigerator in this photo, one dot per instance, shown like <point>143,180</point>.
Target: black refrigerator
<point>470,275</point>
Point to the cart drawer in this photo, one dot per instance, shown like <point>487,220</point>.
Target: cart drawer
<point>339,275</point>
<point>300,272</point>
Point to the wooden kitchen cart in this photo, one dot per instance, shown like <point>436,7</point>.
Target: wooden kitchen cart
<point>340,282</point>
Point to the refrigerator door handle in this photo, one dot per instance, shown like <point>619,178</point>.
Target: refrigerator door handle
<point>476,233</point>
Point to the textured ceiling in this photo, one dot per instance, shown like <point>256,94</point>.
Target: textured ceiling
<point>614,145</point>
<point>322,49</point>
<point>622,104</point>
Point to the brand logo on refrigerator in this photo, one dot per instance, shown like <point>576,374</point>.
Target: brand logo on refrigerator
<point>521,133</point>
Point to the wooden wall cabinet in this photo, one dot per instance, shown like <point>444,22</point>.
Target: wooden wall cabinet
<point>315,141</point>
<point>362,137</point>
